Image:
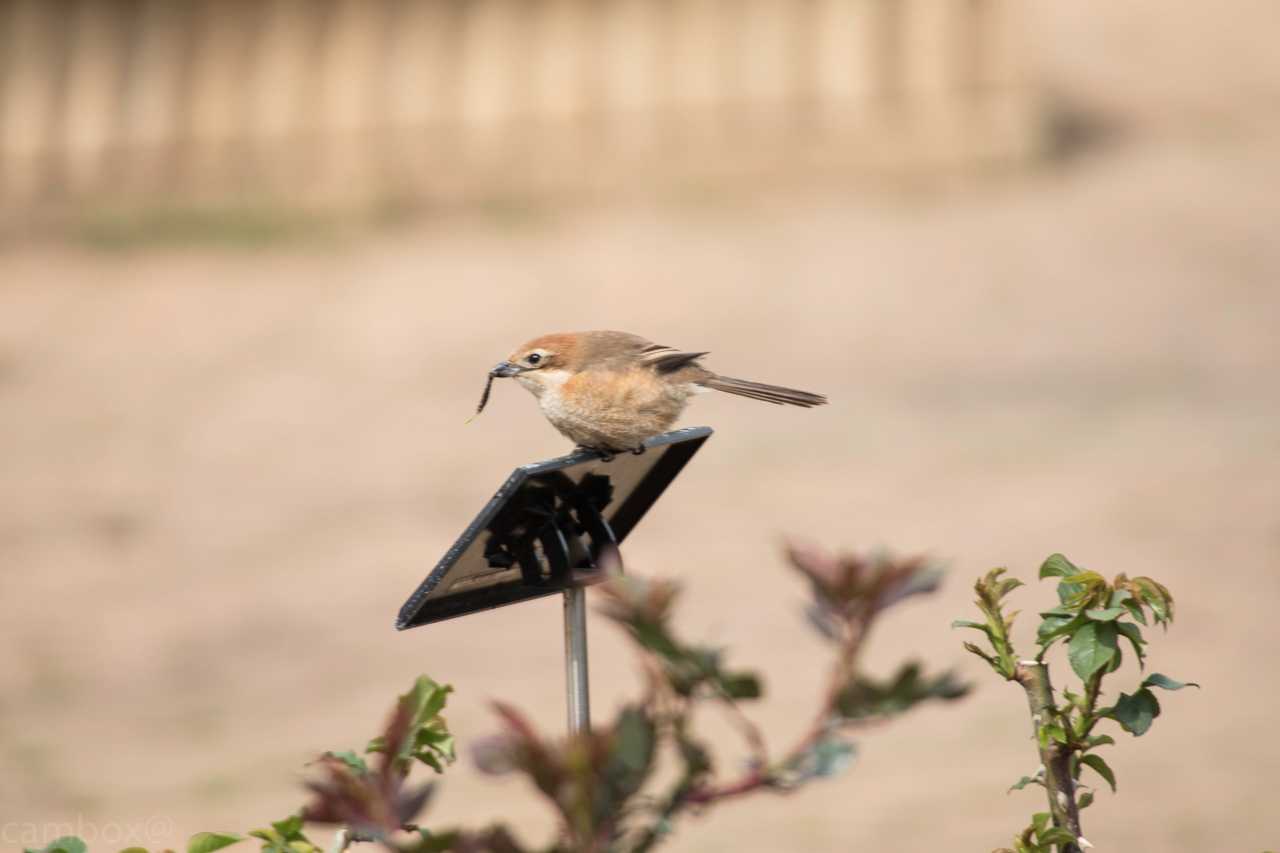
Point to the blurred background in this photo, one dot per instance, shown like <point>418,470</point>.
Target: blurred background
<point>256,257</point>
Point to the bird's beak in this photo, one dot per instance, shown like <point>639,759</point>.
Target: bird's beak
<point>503,369</point>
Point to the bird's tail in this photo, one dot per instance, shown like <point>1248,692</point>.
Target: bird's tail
<point>760,391</point>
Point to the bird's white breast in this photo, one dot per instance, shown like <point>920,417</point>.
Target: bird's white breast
<point>546,386</point>
<point>554,405</point>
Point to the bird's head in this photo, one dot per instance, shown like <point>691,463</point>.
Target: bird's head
<point>544,362</point>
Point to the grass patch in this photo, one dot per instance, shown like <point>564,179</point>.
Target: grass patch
<point>236,226</point>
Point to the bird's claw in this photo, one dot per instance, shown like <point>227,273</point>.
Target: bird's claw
<point>608,454</point>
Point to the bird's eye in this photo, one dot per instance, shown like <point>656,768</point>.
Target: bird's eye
<point>533,358</point>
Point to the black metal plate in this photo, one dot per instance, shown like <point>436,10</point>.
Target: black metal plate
<point>509,553</point>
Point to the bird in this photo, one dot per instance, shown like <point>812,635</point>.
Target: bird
<point>609,391</point>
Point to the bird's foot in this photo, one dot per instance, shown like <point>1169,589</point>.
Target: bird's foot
<point>606,454</point>
<point>639,450</point>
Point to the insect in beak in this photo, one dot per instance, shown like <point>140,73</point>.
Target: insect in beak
<point>501,370</point>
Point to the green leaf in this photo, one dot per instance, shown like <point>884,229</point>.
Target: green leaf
<point>1081,590</point>
<point>1156,679</point>
<point>1115,661</point>
<point>1135,713</point>
<point>1100,766</point>
<point>832,757</point>
<point>1091,648</point>
<point>1059,835</point>
<point>1074,699</point>
<point>969,623</point>
<point>1099,740</point>
<point>65,844</point>
<point>1024,782</point>
<point>1086,800</point>
<point>1007,586</point>
<point>1056,732</point>
<point>1069,593</point>
<point>970,647</point>
<point>631,752</point>
<point>864,697</point>
<point>689,668</point>
<point>285,836</point>
<point>633,738</point>
<point>289,827</point>
<point>826,758</point>
<point>431,696</point>
<point>1135,610</point>
<point>207,842</point>
<point>1133,634</point>
<point>352,760</point>
<point>1057,622</point>
<point>991,589</point>
<point>1003,667</point>
<point>741,685</point>
<point>1057,566</point>
<point>1109,614</point>
<point>1155,596</point>
<point>427,737</point>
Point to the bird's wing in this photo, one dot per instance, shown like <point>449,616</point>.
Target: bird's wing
<point>667,359</point>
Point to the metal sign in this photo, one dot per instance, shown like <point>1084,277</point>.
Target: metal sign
<point>545,528</point>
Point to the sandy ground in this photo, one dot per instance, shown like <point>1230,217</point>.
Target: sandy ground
<point>222,471</point>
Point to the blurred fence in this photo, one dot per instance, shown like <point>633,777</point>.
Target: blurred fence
<point>333,99</point>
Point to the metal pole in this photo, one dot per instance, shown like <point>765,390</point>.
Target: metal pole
<point>575,659</point>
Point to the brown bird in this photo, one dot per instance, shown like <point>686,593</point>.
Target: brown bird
<point>609,391</point>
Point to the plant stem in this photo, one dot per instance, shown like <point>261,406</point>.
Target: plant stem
<point>1091,691</point>
<point>1054,757</point>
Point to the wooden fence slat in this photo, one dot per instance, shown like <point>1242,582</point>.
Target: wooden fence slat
<point>30,98</point>
<point>491,44</point>
<point>1001,39</point>
<point>349,84</point>
<point>212,95</point>
<point>150,120</point>
<point>1004,115</point>
<point>631,59</point>
<point>693,53</point>
<point>940,109</point>
<point>279,99</point>
<point>420,57</point>
<point>763,69</point>
<point>96,62</point>
<point>929,54</point>
<point>560,39</point>
<point>844,55</point>
<point>348,68</point>
<point>424,96</point>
